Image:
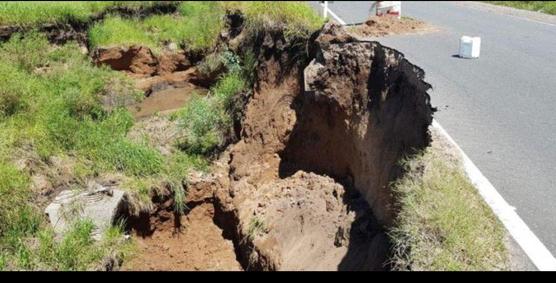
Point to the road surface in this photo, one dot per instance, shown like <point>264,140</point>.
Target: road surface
<point>500,108</point>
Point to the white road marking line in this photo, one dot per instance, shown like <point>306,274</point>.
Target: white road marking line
<point>340,21</point>
<point>527,240</point>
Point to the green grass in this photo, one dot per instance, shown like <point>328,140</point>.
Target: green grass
<point>443,223</point>
<point>51,105</point>
<point>115,31</point>
<point>205,120</point>
<point>75,251</point>
<point>196,25</point>
<point>27,13</point>
<point>203,22</point>
<point>299,18</point>
<point>548,7</point>
<point>23,13</point>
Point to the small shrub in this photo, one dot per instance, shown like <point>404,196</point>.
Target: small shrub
<point>256,227</point>
<point>227,87</point>
<point>203,120</point>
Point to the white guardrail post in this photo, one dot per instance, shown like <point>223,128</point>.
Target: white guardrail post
<point>325,9</point>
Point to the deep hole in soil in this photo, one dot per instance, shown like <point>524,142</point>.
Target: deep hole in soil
<point>357,108</point>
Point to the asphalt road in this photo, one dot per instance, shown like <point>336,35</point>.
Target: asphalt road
<point>500,108</point>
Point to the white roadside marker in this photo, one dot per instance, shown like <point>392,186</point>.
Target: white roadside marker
<point>327,10</point>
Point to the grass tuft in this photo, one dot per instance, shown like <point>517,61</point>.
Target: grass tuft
<point>443,223</point>
<point>298,17</point>
<point>206,120</point>
<point>196,26</point>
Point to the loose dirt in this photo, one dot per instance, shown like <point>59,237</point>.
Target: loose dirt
<point>198,244</point>
<point>389,25</point>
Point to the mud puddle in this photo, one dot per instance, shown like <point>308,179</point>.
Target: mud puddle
<point>194,242</point>
<point>165,101</point>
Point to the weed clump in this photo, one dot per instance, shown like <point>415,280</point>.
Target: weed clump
<point>206,120</point>
<point>443,224</point>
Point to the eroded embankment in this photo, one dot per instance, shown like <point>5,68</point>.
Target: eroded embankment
<point>307,185</point>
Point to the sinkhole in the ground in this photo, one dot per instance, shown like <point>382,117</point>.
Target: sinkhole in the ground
<point>307,183</point>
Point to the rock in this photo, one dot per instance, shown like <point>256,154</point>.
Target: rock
<point>40,183</point>
<point>99,204</point>
<point>172,46</point>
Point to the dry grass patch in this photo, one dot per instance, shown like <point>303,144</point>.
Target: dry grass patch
<point>444,224</point>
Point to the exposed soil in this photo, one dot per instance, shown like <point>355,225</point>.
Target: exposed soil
<point>141,60</point>
<point>390,25</point>
<point>168,80</point>
<point>194,242</point>
<point>306,185</point>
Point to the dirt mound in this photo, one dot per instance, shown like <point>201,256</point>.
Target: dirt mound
<point>389,25</point>
<point>287,225</point>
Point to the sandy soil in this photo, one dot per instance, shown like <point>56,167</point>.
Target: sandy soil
<point>197,245</point>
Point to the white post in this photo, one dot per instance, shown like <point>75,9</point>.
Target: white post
<point>398,8</point>
<point>325,11</point>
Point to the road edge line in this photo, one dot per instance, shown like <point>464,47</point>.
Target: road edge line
<point>518,229</point>
<point>338,19</point>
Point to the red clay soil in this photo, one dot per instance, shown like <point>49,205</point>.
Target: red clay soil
<point>197,245</point>
<point>141,60</point>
